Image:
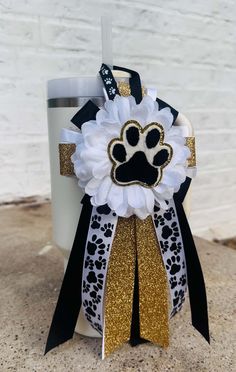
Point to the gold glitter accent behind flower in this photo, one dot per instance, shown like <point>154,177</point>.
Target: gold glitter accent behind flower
<point>120,286</point>
<point>190,142</point>
<point>153,289</point>
<point>66,150</point>
<point>124,89</point>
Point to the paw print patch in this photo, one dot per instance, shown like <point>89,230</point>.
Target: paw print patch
<point>139,155</point>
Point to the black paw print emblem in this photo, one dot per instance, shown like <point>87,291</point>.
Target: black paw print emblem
<point>179,298</point>
<point>173,265</point>
<point>103,209</point>
<point>86,287</point>
<point>164,246</point>
<point>96,222</point>
<point>107,229</point>
<point>90,307</point>
<point>89,263</point>
<point>173,282</point>
<point>100,263</point>
<point>99,282</point>
<point>158,220</point>
<point>175,248</point>
<point>98,328</point>
<point>96,243</point>
<point>156,208</point>
<point>182,280</point>
<point>169,214</point>
<point>91,277</point>
<point>172,231</point>
<point>139,155</point>
<point>96,298</point>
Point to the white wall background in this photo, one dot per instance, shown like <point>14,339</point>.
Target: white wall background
<point>186,48</point>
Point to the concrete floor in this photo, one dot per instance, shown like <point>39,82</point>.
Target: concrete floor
<point>30,279</point>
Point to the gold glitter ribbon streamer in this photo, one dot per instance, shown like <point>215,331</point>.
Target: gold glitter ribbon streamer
<point>131,239</point>
<point>120,286</point>
<point>153,288</point>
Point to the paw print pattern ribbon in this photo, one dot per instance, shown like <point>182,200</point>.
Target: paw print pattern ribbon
<point>109,236</point>
<point>101,233</point>
<point>170,240</point>
<point>98,247</point>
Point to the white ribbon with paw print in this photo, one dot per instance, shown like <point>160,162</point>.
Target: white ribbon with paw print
<point>98,248</point>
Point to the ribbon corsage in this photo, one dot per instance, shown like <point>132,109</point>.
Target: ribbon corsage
<point>133,255</point>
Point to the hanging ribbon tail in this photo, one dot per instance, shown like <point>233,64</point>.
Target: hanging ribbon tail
<point>196,284</point>
<point>163,104</point>
<point>69,301</point>
<point>152,285</point>
<point>118,305</point>
<point>136,301</point>
<point>86,113</point>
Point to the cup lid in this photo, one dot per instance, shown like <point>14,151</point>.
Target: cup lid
<point>85,86</point>
<point>82,86</point>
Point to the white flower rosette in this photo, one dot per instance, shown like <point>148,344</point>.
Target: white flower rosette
<point>94,164</point>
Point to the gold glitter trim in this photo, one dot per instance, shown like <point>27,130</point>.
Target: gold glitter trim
<point>124,89</point>
<point>121,140</point>
<point>120,286</point>
<point>153,288</point>
<point>190,142</point>
<point>131,235</point>
<point>66,150</point>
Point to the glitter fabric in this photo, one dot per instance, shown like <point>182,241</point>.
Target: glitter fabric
<point>66,150</point>
<point>124,89</point>
<point>153,290</point>
<point>190,142</point>
<point>120,286</point>
<point>134,234</point>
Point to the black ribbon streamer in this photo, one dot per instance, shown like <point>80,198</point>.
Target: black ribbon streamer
<point>69,301</point>
<point>196,284</point>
